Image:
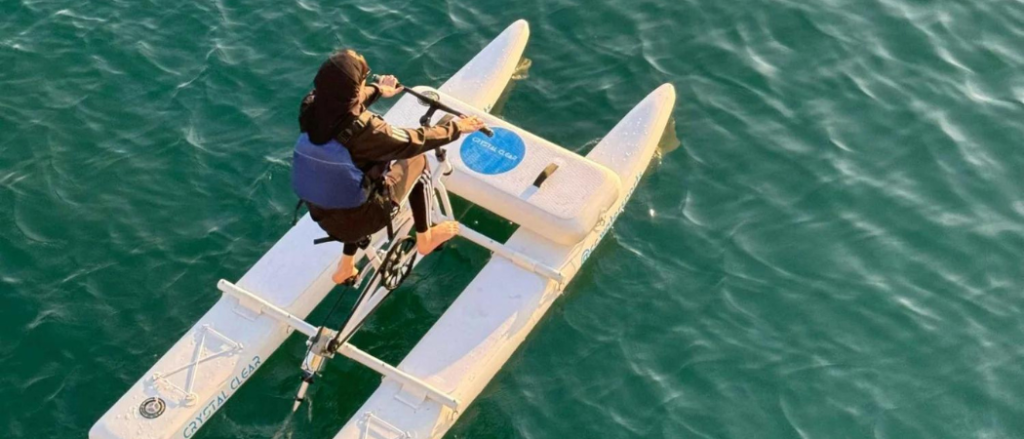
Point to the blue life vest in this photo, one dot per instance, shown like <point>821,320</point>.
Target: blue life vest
<point>325,175</point>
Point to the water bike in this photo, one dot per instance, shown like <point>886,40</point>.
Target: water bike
<point>563,203</point>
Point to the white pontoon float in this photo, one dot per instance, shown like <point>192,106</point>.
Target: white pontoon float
<point>563,203</point>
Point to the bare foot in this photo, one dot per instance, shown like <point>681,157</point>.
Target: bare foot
<point>437,235</point>
<point>346,270</point>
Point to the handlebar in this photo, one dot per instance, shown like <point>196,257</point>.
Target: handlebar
<point>436,103</point>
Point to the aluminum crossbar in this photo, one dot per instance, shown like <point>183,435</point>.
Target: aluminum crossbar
<point>247,299</point>
<point>398,375</point>
<point>516,257</point>
<point>347,349</point>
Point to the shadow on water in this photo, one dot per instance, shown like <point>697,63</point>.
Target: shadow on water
<point>522,72</point>
<point>669,139</point>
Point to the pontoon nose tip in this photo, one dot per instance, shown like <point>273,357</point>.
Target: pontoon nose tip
<point>666,91</point>
<point>517,32</point>
<point>519,27</point>
<point>663,96</point>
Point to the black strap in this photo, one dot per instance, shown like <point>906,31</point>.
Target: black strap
<point>550,169</point>
<point>325,240</point>
<point>391,217</point>
<point>384,192</point>
<point>295,216</point>
<point>355,127</point>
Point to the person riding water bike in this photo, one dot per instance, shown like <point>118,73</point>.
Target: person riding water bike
<point>390,159</point>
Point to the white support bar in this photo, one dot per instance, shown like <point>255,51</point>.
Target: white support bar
<point>444,168</point>
<point>516,257</point>
<point>267,308</point>
<point>347,350</point>
<point>394,373</point>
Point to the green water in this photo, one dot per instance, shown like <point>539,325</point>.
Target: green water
<point>834,251</point>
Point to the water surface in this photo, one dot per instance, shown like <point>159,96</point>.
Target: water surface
<point>832,251</point>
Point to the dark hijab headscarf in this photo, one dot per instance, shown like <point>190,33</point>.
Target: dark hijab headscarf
<point>338,99</point>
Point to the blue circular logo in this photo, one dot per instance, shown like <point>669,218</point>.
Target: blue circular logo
<point>493,155</point>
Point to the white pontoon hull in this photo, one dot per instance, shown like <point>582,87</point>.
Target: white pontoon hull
<point>229,342</point>
<point>472,340</point>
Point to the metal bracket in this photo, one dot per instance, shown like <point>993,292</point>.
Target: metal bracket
<point>190,397</point>
<point>259,305</point>
<point>377,428</point>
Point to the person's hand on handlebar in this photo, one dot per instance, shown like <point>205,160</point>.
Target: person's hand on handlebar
<point>388,86</point>
<point>470,124</point>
